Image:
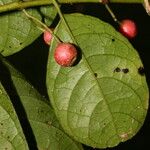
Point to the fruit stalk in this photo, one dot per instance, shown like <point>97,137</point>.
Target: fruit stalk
<point>111,13</point>
<point>44,26</point>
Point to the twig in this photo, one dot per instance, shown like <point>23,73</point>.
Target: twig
<point>29,4</point>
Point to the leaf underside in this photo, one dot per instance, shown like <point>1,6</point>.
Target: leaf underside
<point>103,99</point>
<point>17,31</point>
<point>44,125</point>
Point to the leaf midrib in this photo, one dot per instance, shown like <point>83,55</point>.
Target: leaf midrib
<point>92,73</point>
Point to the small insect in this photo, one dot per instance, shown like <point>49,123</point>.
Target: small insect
<point>141,71</point>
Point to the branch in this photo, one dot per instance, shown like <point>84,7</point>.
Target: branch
<point>33,3</point>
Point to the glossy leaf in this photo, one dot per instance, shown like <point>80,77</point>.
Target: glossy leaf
<point>11,134</point>
<point>103,99</point>
<point>17,31</point>
<point>45,127</point>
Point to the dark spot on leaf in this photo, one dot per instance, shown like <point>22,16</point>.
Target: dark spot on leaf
<point>20,43</point>
<point>9,46</point>
<point>117,69</point>
<point>1,124</point>
<point>95,74</point>
<point>126,70</point>
<point>6,148</point>
<point>113,40</point>
<point>8,137</point>
<point>141,71</point>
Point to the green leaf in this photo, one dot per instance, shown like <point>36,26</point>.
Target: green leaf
<point>103,99</point>
<point>46,129</point>
<point>11,134</point>
<point>17,31</point>
<point>49,13</point>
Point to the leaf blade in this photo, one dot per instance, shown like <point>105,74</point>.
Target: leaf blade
<point>82,95</point>
<point>11,134</point>
<point>46,129</point>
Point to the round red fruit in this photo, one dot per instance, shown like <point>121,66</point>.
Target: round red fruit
<point>47,37</point>
<point>128,28</point>
<point>65,54</point>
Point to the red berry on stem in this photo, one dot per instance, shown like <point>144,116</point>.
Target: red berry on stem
<point>65,54</point>
<point>47,37</point>
<point>128,28</point>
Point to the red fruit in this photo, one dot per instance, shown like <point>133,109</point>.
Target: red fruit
<point>128,28</point>
<point>65,54</point>
<point>47,37</point>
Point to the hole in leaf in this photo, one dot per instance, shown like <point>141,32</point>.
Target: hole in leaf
<point>126,70</point>
<point>95,74</point>
<point>141,71</point>
<point>113,40</point>
<point>117,69</point>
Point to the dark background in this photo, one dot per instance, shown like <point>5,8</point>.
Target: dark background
<point>33,59</point>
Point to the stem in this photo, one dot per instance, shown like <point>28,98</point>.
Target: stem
<point>28,4</point>
<point>111,13</point>
<point>63,19</point>
<point>21,5</point>
<point>41,24</point>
